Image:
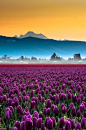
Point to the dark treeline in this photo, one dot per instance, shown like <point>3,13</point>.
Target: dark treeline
<point>53,57</point>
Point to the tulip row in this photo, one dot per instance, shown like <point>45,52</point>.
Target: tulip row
<point>40,98</point>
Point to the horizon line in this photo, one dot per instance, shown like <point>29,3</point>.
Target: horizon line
<point>44,39</point>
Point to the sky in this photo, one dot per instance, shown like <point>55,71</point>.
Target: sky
<point>56,19</point>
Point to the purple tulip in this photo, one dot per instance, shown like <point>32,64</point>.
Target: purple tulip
<point>82,96</point>
<point>54,121</point>
<point>28,124</point>
<point>15,128</point>
<point>83,122</point>
<point>48,103</point>
<point>24,117</point>
<point>67,125</point>
<point>39,123</point>
<point>78,100</point>
<point>32,104</point>
<point>62,105</point>
<point>24,98</point>
<point>13,104</point>
<point>55,109</point>
<point>3,129</point>
<point>9,101</point>
<point>36,114</point>
<point>63,128</point>
<point>48,111</point>
<point>50,124</point>
<point>4,97</point>
<point>74,98</point>
<point>34,121</point>
<point>71,105</point>
<point>26,109</point>
<point>44,110</point>
<point>18,108</point>
<point>20,98</point>
<point>11,108</point>
<point>29,116</point>
<point>69,95</point>
<point>52,106</point>
<point>61,122</point>
<point>78,126</point>
<point>24,92</point>
<point>22,127</point>
<point>42,127</point>
<point>46,120</point>
<point>72,123</point>
<point>50,96</point>
<point>53,97</point>
<point>27,98</point>
<point>53,91</point>
<point>46,91</point>
<point>17,124</point>
<point>41,115</point>
<point>81,107</point>
<point>78,113</point>
<point>39,97</point>
<point>85,114</point>
<point>64,109</point>
<point>7,115</point>
<point>43,99</point>
<point>73,111</point>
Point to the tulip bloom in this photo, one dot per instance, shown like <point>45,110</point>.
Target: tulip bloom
<point>15,128</point>
<point>83,122</point>
<point>39,123</point>
<point>50,124</point>
<point>73,111</point>
<point>28,124</point>
<point>17,124</point>
<point>64,109</point>
<point>78,126</point>
<point>78,113</point>
<point>48,111</point>
<point>48,103</point>
<point>34,121</point>
<point>32,104</point>
<point>22,127</point>
<point>54,121</point>
<point>61,122</point>
<point>67,125</point>
<point>42,127</point>
<point>55,109</point>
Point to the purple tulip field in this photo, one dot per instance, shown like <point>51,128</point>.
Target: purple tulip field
<point>42,98</point>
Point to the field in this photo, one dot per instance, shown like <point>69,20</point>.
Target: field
<point>43,98</point>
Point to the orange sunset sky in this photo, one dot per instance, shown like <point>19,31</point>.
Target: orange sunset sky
<point>56,19</point>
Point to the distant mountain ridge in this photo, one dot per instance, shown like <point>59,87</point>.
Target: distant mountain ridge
<point>31,46</point>
<point>31,34</point>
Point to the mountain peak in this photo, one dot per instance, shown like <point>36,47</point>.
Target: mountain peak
<point>32,34</point>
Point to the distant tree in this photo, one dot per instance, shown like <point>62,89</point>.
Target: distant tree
<point>5,56</point>
<point>33,58</point>
<point>58,58</point>
<point>53,57</point>
<point>22,57</point>
<point>27,58</point>
<point>77,56</point>
<point>70,59</point>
